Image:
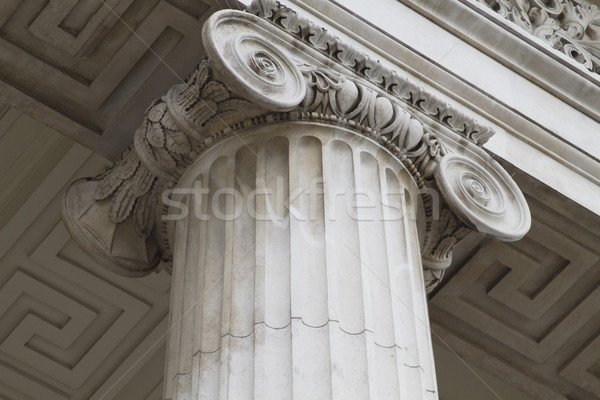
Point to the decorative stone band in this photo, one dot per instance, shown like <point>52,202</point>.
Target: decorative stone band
<point>569,26</point>
<point>371,70</point>
<point>251,81</point>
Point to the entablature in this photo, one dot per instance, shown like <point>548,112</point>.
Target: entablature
<point>544,110</point>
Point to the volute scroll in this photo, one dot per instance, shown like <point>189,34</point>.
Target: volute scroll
<point>249,79</point>
<point>252,67</point>
<point>484,196</point>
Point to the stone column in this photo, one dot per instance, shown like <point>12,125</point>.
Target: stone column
<point>285,197</point>
<point>318,298</point>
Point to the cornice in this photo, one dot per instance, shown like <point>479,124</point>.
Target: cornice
<point>253,77</point>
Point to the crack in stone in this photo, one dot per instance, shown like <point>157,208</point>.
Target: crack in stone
<point>304,323</point>
<point>414,366</point>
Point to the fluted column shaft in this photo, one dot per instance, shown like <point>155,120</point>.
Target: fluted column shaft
<point>297,272</point>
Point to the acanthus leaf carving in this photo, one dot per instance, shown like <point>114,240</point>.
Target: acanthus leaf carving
<point>442,236</point>
<point>118,224</point>
<point>569,26</point>
<point>114,177</point>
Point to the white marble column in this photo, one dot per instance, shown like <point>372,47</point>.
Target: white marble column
<point>305,284</point>
<point>297,266</point>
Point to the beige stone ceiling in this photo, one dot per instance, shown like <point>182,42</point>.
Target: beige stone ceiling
<point>530,310</point>
<point>68,329</point>
<point>89,68</point>
<point>74,71</point>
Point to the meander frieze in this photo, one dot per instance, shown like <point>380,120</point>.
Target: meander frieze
<point>247,81</point>
<point>569,26</point>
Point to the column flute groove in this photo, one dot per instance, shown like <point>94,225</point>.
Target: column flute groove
<point>304,308</point>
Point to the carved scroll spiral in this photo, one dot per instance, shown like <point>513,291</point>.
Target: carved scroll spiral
<point>251,65</point>
<point>484,197</point>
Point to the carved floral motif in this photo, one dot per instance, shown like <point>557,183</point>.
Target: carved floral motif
<point>129,184</point>
<point>364,66</point>
<point>447,232</point>
<point>570,26</point>
<point>383,118</point>
<point>133,239</point>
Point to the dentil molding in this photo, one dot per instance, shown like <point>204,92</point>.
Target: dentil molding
<point>257,74</point>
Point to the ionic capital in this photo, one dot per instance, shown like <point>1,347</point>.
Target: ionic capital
<point>257,74</point>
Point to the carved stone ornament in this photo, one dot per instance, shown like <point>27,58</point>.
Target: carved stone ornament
<point>248,80</point>
<point>569,26</point>
<point>362,65</point>
<point>251,65</point>
<point>483,196</point>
